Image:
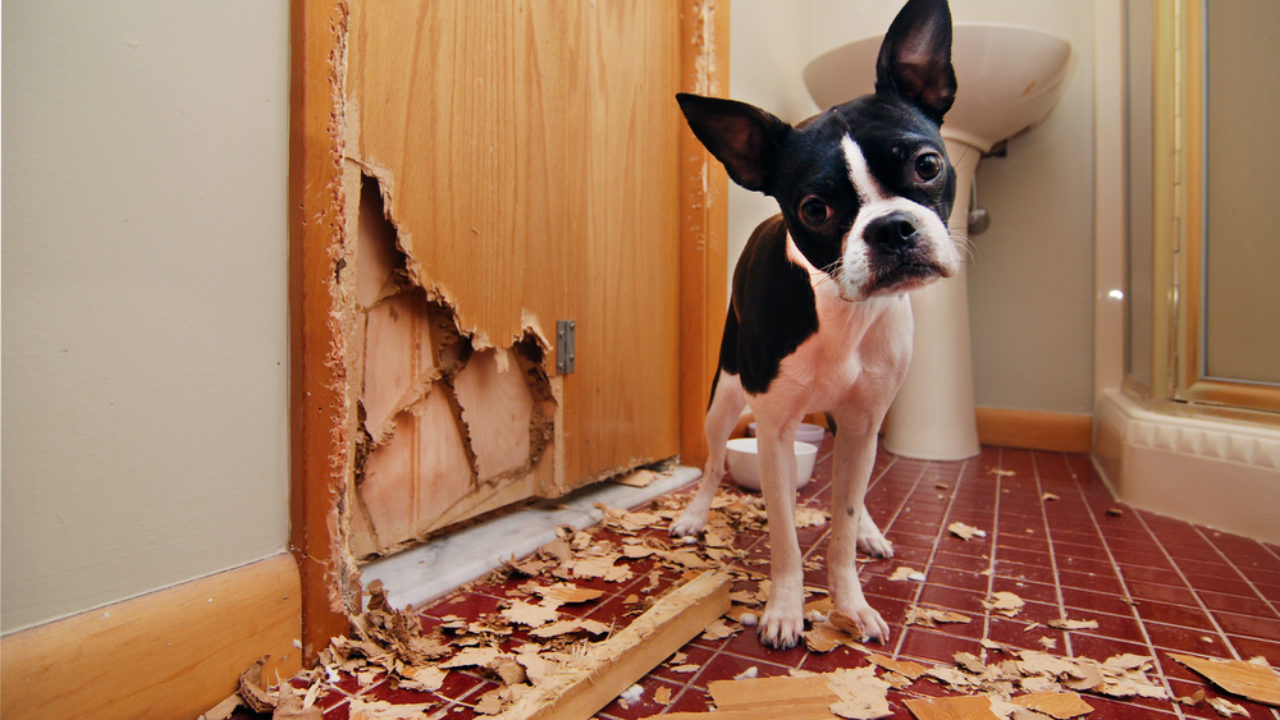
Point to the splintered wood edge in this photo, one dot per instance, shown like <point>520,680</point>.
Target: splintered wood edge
<point>589,683</point>
<point>320,422</point>
<point>704,224</point>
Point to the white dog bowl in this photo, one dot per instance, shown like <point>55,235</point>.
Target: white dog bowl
<point>745,468</point>
<point>812,434</point>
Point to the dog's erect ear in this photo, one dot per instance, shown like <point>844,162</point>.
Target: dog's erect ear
<point>915,58</point>
<point>743,137</point>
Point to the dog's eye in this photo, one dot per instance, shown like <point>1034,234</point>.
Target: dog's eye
<point>928,165</point>
<point>813,211</point>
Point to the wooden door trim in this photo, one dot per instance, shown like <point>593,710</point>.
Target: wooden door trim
<point>320,429</point>
<point>704,214</point>
<point>319,439</point>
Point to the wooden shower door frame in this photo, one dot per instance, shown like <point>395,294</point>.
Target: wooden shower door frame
<point>320,442</point>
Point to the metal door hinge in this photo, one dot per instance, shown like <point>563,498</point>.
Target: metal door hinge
<point>565,346</point>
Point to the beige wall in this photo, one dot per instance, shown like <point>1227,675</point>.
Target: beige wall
<point>1031,284</point>
<point>768,47</point>
<point>145,366</point>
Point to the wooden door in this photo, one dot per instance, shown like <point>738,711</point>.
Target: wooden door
<point>466,174</point>
<point>516,167</point>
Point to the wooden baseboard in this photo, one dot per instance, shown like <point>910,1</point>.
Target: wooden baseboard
<point>170,654</point>
<point>1035,430</point>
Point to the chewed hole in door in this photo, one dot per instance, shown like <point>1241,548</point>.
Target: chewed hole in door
<point>446,428</point>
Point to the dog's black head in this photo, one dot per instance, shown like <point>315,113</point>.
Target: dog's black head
<point>865,187</point>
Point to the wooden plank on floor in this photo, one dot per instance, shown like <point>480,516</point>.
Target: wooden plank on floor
<point>610,667</point>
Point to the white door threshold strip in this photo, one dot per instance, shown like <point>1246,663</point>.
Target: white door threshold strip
<point>434,568</point>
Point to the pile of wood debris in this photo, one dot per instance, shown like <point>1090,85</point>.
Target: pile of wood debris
<point>545,611</point>
<point>541,651</point>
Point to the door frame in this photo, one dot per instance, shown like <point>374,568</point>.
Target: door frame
<point>320,424</point>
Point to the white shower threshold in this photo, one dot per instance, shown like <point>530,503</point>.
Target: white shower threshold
<point>434,568</point>
<point>1197,468</point>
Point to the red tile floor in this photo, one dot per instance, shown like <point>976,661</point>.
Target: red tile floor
<point>1154,585</point>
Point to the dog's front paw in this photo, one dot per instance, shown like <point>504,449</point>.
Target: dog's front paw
<point>690,523</point>
<point>781,624</point>
<point>873,626</point>
<point>875,545</point>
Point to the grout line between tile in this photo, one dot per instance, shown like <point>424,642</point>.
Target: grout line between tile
<point>455,703</point>
<point>1268,549</point>
<point>1200,603</point>
<point>1053,552</point>
<point>991,563</point>
<point>1231,563</point>
<point>937,539</point>
<point>345,701</point>
<point>1124,586</point>
<point>876,480</point>
<point>676,698</point>
<point>688,685</point>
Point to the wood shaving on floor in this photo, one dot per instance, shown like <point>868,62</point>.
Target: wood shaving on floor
<point>1057,704</point>
<point>1226,708</point>
<point>823,637</point>
<point>904,572</point>
<point>1065,624</point>
<point>930,617</point>
<point>965,532</point>
<point>1254,679</point>
<point>811,517</point>
<point>1004,602</point>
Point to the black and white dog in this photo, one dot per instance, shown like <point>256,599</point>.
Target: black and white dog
<point>820,319</point>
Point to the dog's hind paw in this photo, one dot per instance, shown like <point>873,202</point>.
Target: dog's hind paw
<point>687,525</point>
<point>875,545</point>
<point>871,541</point>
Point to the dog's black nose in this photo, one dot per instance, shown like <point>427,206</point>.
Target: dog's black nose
<point>894,231</point>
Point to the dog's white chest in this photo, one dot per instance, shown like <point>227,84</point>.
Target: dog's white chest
<point>860,350</point>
